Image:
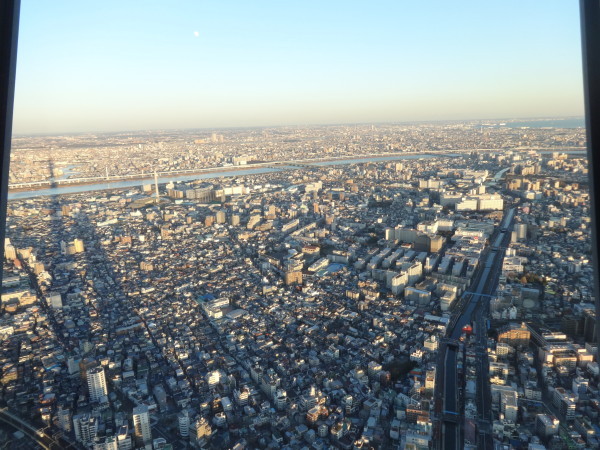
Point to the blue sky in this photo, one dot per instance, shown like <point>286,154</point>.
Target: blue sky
<point>133,65</point>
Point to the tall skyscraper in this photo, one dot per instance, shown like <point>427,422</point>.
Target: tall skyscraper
<point>141,424</point>
<point>96,383</point>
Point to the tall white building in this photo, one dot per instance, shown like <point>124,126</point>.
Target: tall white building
<point>213,378</point>
<point>85,428</point>
<point>64,419</point>
<point>241,396</point>
<point>55,300</point>
<point>203,429</point>
<point>96,383</point>
<point>10,252</point>
<point>141,424</point>
<point>79,246</point>
<point>521,230</point>
<point>184,423</point>
<point>124,439</point>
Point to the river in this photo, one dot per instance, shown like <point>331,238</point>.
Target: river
<point>77,189</point>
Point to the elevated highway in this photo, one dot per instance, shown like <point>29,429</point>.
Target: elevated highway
<point>475,309</point>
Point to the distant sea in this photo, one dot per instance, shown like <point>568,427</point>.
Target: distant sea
<point>571,122</point>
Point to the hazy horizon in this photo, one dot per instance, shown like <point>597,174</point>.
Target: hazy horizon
<point>307,125</point>
<point>115,67</point>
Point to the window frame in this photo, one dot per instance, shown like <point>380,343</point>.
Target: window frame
<point>590,46</point>
<point>9,33</point>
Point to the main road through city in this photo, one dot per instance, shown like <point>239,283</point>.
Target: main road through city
<point>474,311</point>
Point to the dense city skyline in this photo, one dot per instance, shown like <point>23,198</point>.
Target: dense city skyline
<point>410,287</point>
<point>92,68</point>
<point>241,225</point>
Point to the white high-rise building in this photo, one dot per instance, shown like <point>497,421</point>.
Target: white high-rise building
<point>79,246</point>
<point>241,396</point>
<point>203,429</point>
<point>64,419</point>
<point>184,423</point>
<point>85,428</point>
<point>141,424</point>
<point>96,383</point>
<point>55,300</point>
<point>521,230</point>
<point>124,439</point>
<point>10,252</point>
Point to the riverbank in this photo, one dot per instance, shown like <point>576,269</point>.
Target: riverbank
<point>65,180</point>
<point>209,174</point>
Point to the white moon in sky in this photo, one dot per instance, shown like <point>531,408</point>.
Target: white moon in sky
<point>196,33</point>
